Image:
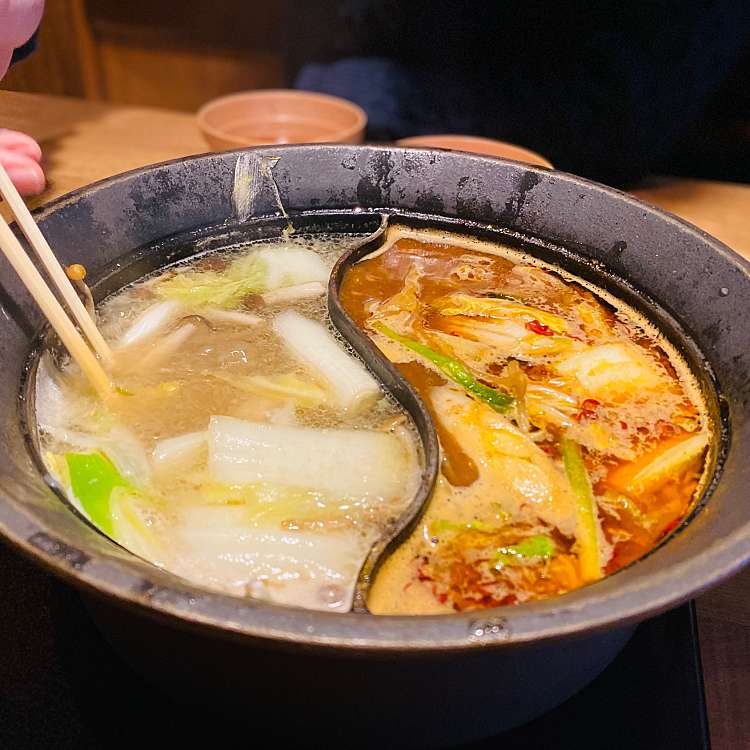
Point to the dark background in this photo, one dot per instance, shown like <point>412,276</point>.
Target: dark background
<point>614,91</point>
<point>62,687</point>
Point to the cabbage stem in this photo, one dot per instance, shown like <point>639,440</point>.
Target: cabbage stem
<point>351,463</point>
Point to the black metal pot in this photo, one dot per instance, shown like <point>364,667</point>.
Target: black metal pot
<point>424,680</point>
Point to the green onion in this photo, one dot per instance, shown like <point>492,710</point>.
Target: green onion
<point>537,546</point>
<point>454,369</point>
<point>588,542</point>
<point>92,478</point>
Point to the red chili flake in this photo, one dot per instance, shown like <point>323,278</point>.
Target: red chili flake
<point>539,328</point>
<point>623,425</point>
<point>442,598</point>
<point>422,576</point>
<point>665,429</point>
<point>587,410</point>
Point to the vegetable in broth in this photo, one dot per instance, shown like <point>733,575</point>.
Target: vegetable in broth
<point>573,438</point>
<point>245,447</point>
<point>248,450</point>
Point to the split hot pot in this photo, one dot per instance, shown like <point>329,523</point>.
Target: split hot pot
<point>315,676</point>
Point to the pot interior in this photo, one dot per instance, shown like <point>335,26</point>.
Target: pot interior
<point>177,249</point>
<point>125,228</point>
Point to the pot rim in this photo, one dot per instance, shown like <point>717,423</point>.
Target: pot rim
<point>593,608</point>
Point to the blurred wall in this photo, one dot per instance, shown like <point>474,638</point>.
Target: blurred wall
<point>170,53</point>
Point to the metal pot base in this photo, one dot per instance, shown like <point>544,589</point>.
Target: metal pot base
<point>313,699</point>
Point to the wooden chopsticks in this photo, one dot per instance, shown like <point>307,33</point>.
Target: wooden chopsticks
<point>45,297</point>
<point>57,274</point>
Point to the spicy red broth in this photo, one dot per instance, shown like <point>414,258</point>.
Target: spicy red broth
<point>573,438</point>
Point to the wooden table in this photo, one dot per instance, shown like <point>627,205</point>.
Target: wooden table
<point>84,141</point>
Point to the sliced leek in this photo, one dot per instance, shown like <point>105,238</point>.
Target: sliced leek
<point>454,369</point>
<point>350,384</point>
<point>587,531</point>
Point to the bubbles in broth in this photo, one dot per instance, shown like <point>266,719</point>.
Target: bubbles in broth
<point>246,449</point>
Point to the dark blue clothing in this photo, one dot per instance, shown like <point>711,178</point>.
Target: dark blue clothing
<point>602,89</point>
<point>24,50</point>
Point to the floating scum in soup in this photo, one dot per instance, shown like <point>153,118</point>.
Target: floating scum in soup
<point>245,448</point>
<point>573,437</point>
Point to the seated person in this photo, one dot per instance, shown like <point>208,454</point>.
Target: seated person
<point>604,90</point>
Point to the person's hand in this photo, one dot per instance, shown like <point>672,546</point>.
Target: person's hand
<point>20,156</point>
<point>19,19</point>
